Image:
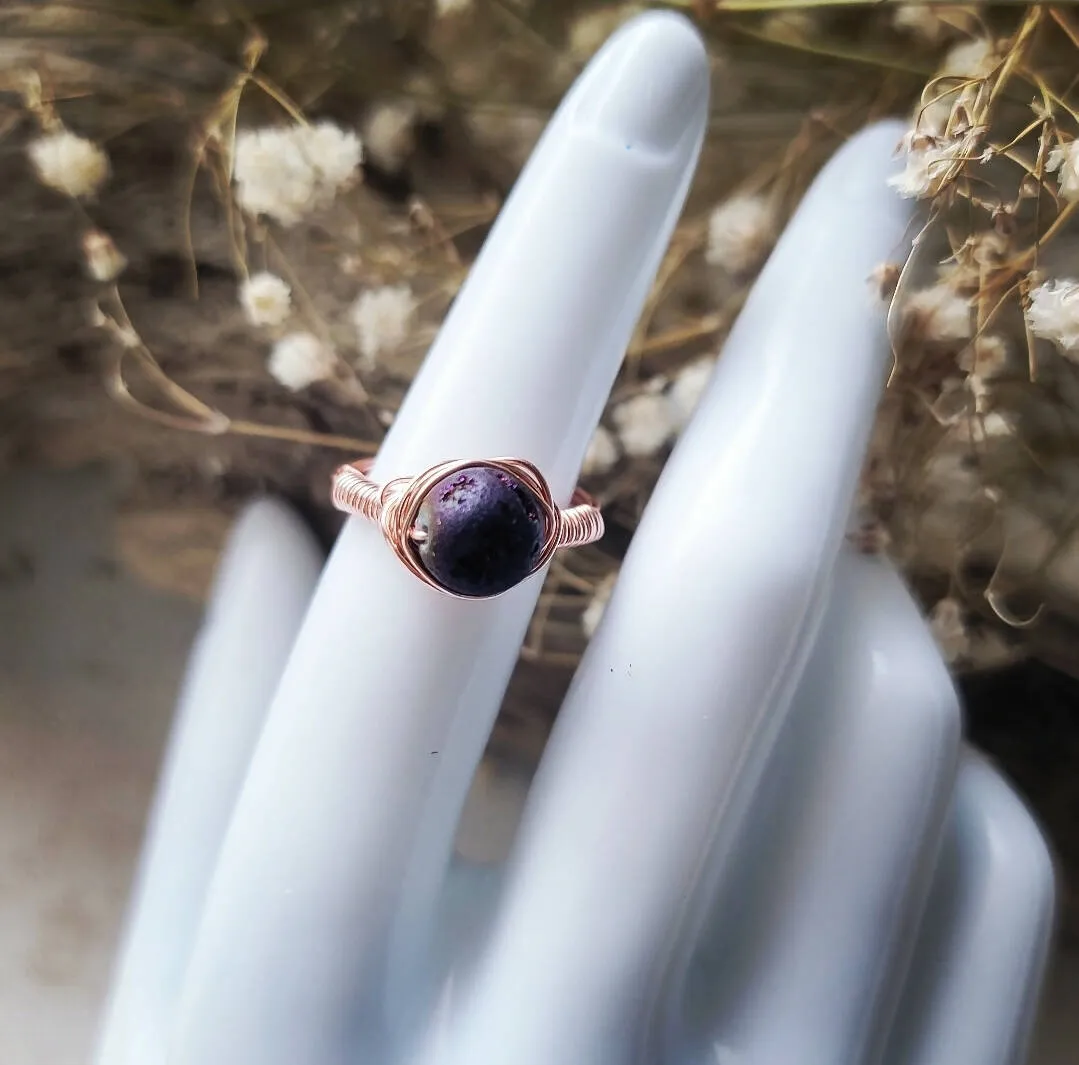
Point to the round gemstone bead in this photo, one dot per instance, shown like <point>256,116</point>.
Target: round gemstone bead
<point>482,531</point>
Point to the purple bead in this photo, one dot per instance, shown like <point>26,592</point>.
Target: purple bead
<point>483,531</point>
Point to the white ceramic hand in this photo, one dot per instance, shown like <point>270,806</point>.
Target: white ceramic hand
<point>727,850</point>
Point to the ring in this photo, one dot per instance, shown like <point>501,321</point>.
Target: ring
<point>470,528</point>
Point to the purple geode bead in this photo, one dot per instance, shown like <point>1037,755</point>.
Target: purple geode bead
<point>483,531</point>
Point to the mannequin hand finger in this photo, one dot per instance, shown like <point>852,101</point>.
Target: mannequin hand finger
<point>972,992</point>
<point>342,832</point>
<point>691,671</point>
<point>262,588</point>
<point>811,932</point>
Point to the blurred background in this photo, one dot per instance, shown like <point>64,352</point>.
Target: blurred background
<point>231,232</point>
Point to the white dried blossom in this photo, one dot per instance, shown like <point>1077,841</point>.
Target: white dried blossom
<point>300,359</point>
<point>381,317</point>
<point>741,232</point>
<point>104,261</point>
<point>931,23</point>
<point>1054,313</point>
<point>928,162</point>
<point>883,280</point>
<point>590,30</point>
<point>988,357</point>
<point>266,299</point>
<point>597,606</point>
<point>389,133</point>
<point>69,163</point>
<point>1064,162</point>
<point>948,628</point>
<point>643,423</point>
<point>602,452</point>
<point>996,424</point>
<point>286,172</point>
<point>939,314</point>
<point>797,25</point>
<point>687,388</point>
<point>979,254</point>
<point>444,8</point>
<point>972,59</point>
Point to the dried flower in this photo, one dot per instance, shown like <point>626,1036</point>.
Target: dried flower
<point>1053,313</point>
<point>883,280</point>
<point>69,163</point>
<point>300,359</point>
<point>689,385</point>
<point>741,232</point>
<point>266,299</point>
<point>643,423</point>
<point>1064,162</point>
<point>971,59</point>
<point>939,314</point>
<point>931,23</point>
<point>389,133</point>
<point>104,261</point>
<point>950,632</point>
<point>287,172</point>
<point>987,357</point>
<point>444,8</point>
<point>930,160</point>
<point>593,613</point>
<point>381,317</point>
<point>602,453</point>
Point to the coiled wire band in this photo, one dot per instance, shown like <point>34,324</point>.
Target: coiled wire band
<point>393,506</point>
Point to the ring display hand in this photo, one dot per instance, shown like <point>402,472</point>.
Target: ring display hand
<point>725,855</point>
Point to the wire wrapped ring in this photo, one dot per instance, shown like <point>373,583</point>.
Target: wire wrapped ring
<point>496,518</point>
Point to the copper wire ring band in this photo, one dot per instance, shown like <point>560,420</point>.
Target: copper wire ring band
<point>393,506</point>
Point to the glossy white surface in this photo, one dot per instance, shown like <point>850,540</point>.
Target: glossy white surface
<point>663,793</point>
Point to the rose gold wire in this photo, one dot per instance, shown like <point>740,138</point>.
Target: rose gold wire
<point>393,506</point>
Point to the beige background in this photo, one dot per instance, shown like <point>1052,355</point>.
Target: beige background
<point>90,662</point>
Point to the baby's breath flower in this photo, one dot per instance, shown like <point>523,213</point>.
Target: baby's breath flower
<point>931,23</point>
<point>593,613</point>
<point>971,59</point>
<point>996,424</point>
<point>602,452</point>
<point>381,317</point>
<point>687,388</point>
<point>104,261</point>
<point>929,161</point>
<point>444,8</point>
<point>940,314</point>
<point>287,172</point>
<point>883,280</point>
<point>950,632</point>
<point>987,357</point>
<point>389,133</point>
<point>741,232</point>
<point>266,299</point>
<point>1064,162</point>
<point>1054,314</point>
<point>300,359</point>
<point>643,423</point>
<point>69,163</point>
